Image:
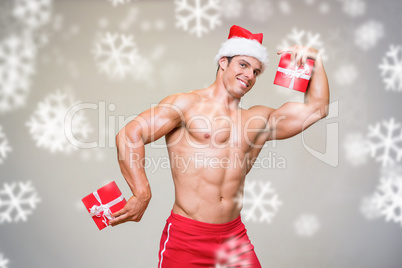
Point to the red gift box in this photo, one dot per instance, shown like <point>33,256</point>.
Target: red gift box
<point>291,76</point>
<point>102,203</point>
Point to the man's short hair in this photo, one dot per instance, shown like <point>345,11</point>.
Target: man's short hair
<point>229,60</point>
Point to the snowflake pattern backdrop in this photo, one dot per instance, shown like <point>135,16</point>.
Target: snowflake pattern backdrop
<point>118,58</point>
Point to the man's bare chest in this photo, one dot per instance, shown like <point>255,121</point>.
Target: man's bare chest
<point>219,129</point>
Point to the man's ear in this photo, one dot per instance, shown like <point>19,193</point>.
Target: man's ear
<point>223,63</point>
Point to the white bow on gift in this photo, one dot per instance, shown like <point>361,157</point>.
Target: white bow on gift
<point>105,208</point>
<point>303,73</point>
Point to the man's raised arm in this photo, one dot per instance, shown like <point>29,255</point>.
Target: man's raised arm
<point>292,118</point>
<point>147,127</point>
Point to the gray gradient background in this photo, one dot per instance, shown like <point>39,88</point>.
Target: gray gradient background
<point>60,233</point>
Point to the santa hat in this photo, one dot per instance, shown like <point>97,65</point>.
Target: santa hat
<point>243,42</point>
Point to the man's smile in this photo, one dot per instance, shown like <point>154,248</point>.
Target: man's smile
<point>242,83</point>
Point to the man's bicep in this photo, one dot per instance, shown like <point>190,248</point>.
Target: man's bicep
<point>290,119</point>
<point>157,121</point>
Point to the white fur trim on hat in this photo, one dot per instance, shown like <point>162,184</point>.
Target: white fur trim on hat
<point>237,46</point>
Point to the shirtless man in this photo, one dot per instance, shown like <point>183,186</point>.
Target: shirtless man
<point>216,142</point>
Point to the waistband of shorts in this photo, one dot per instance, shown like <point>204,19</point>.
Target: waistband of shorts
<point>204,226</point>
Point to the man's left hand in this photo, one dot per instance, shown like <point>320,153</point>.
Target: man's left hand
<point>299,54</point>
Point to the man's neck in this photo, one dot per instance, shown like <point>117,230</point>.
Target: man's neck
<point>218,92</point>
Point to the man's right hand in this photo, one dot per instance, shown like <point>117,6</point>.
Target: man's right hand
<point>132,211</point>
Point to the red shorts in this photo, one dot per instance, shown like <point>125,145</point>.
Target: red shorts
<point>188,243</point>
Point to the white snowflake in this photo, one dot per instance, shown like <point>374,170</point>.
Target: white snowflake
<point>57,23</point>
<point>74,30</point>
<point>4,146</point>
<point>388,198</point>
<point>3,261</point>
<point>393,170</point>
<point>116,2</point>
<point>188,11</point>
<point>17,201</point>
<point>307,225</point>
<point>386,146</point>
<point>231,8</point>
<point>302,37</point>
<point>356,148</point>
<point>324,8</point>
<point>47,124</point>
<point>43,35</point>
<point>392,71</point>
<point>104,23</point>
<point>160,24</point>
<point>145,25</point>
<point>260,10</point>
<point>285,7</point>
<point>230,253</point>
<point>369,209</point>
<point>115,53</point>
<point>130,19</point>
<point>33,13</point>
<point>8,23</point>
<point>346,74</point>
<point>260,202</point>
<point>354,8</point>
<point>368,34</point>
<point>17,58</point>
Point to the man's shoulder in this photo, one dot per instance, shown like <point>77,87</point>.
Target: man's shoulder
<point>181,100</point>
<point>260,110</point>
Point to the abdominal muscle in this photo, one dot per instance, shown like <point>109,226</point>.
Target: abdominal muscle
<point>209,186</point>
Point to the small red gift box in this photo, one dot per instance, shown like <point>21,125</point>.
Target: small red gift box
<point>291,76</point>
<point>102,203</point>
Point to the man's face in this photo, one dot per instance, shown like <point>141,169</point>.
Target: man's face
<point>240,75</point>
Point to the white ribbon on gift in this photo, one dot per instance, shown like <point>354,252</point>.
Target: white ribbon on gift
<point>302,73</point>
<point>105,208</point>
